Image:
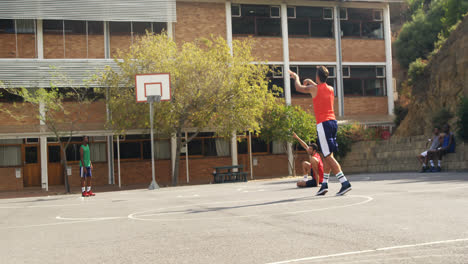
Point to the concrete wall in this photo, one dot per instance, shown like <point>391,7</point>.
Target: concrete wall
<point>398,154</point>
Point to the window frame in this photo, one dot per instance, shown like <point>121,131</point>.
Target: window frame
<point>323,13</point>
<point>349,72</point>
<point>279,11</point>
<point>309,21</point>
<point>376,72</point>
<point>255,22</point>
<point>346,12</point>
<point>203,155</point>
<point>361,22</point>
<point>239,8</point>
<point>363,79</point>
<point>21,151</point>
<point>294,8</point>
<point>377,11</point>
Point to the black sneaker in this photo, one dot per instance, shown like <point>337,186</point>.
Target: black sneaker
<point>323,189</point>
<point>432,169</point>
<point>423,169</point>
<point>345,187</point>
<point>438,169</point>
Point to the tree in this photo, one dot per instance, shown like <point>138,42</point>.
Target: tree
<point>210,88</point>
<point>60,118</point>
<point>431,22</point>
<point>282,121</point>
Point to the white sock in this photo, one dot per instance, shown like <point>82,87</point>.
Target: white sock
<point>325,177</point>
<point>424,165</point>
<point>432,163</point>
<point>341,177</point>
<point>83,189</point>
<point>438,162</point>
<point>89,188</point>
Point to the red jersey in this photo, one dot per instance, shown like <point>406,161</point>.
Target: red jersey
<point>320,167</point>
<point>323,103</point>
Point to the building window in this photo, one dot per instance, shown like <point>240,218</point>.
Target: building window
<point>206,144</point>
<point>365,81</point>
<point>10,152</point>
<point>304,72</point>
<point>257,20</point>
<point>162,149</point>
<point>18,38</point>
<point>123,34</point>
<point>362,23</point>
<point>54,154</point>
<point>314,22</point>
<point>73,39</point>
<point>259,146</point>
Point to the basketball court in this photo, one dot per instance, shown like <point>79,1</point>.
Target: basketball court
<point>386,218</point>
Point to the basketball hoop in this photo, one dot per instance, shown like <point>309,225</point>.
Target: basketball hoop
<point>152,88</point>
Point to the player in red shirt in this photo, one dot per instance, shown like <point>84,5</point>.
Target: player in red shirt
<point>315,166</point>
<point>323,97</point>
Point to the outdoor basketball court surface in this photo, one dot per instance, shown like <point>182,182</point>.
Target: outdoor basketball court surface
<point>386,218</point>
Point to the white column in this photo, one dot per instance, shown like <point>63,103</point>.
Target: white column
<point>229,25</point>
<point>170,30</point>
<point>388,58</point>
<point>186,157</point>
<point>44,171</point>
<point>43,150</point>
<point>234,149</point>
<point>287,82</point>
<point>40,39</point>
<point>229,42</point>
<point>284,33</point>
<point>339,60</point>
<point>173,153</point>
<point>106,40</point>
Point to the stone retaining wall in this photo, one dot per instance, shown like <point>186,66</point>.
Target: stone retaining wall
<point>398,154</point>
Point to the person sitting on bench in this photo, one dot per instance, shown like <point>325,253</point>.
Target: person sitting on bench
<point>448,146</point>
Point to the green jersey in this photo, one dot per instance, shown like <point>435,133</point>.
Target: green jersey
<point>86,156</point>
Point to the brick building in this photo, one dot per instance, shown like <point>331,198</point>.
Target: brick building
<point>352,38</point>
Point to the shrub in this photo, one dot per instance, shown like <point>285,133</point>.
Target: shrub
<point>400,114</point>
<point>416,71</point>
<point>344,139</point>
<point>462,119</point>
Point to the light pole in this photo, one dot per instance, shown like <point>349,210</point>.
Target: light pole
<point>151,99</point>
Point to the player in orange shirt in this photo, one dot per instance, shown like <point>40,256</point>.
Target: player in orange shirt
<point>323,97</point>
<point>314,165</point>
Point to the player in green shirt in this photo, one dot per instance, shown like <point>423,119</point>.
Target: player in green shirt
<point>85,168</point>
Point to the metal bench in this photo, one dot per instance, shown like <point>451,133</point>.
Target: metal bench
<point>231,173</point>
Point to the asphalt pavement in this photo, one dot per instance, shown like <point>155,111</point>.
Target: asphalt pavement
<point>386,218</point>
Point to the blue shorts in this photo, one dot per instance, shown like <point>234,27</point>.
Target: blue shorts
<point>326,137</point>
<point>87,174</point>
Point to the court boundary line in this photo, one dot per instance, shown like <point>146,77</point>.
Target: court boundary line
<point>370,250</point>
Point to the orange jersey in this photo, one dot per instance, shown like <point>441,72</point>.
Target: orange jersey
<point>323,103</point>
<point>320,167</point>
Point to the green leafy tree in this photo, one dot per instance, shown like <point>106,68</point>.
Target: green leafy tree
<point>430,24</point>
<point>280,123</point>
<point>210,88</point>
<point>64,110</point>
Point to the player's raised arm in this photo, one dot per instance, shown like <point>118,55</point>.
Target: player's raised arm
<point>310,88</point>
<point>303,144</point>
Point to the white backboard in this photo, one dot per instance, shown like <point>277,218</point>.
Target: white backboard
<point>153,84</point>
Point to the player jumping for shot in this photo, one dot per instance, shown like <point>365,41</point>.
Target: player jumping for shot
<point>327,127</point>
